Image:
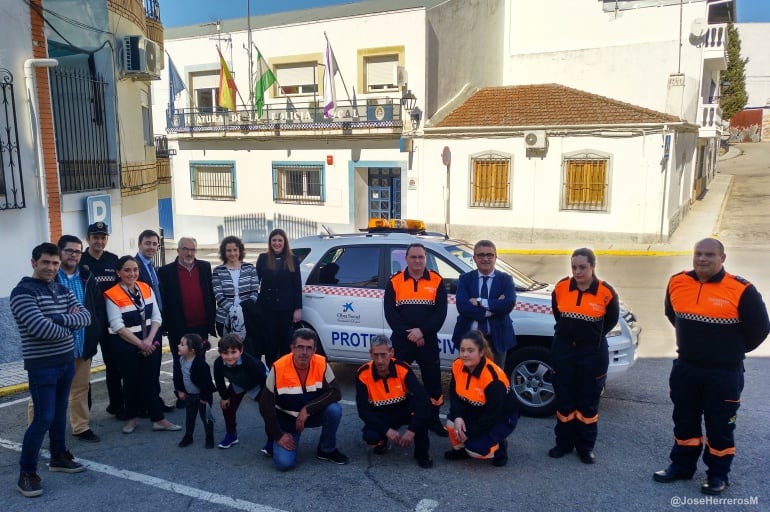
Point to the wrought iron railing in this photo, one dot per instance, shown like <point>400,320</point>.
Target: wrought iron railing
<point>152,9</point>
<point>11,183</point>
<point>256,227</point>
<point>349,114</point>
<point>82,143</point>
<point>161,147</point>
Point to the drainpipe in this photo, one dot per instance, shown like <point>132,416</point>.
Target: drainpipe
<point>31,83</point>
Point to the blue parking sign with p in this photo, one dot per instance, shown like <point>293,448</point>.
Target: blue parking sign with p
<point>98,210</point>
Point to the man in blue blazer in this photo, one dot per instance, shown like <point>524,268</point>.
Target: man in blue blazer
<point>485,298</point>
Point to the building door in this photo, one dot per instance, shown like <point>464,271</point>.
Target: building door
<point>384,192</point>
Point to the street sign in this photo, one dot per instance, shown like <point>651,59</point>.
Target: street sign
<point>98,210</point>
<point>446,156</point>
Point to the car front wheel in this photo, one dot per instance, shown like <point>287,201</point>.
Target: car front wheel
<point>532,380</point>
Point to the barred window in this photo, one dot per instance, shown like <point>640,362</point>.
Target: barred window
<point>490,185</point>
<point>586,182</point>
<point>213,180</point>
<point>299,183</point>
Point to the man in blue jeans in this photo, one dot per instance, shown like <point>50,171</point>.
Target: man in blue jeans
<point>46,314</point>
<point>301,392</point>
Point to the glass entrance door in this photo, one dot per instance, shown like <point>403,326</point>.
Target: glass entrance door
<point>384,192</point>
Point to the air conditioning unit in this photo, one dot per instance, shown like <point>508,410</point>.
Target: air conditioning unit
<point>535,139</point>
<point>142,59</point>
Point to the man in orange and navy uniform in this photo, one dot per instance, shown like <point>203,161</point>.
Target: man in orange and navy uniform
<point>301,392</point>
<point>388,396</point>
<point>718,318</point>
<point>415,306</point>
<point>586,309</point>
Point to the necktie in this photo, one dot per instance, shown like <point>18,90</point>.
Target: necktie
<point>155,285</point>
<point>484,326</point>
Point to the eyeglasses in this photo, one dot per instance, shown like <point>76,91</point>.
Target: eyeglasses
<point>485,255</point>
<point>191,250</point>
<point>72,252</point>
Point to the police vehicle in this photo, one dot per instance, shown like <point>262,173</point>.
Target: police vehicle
<point>344,278</point>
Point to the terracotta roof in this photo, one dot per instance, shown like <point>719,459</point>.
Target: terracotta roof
<point>546,105</point>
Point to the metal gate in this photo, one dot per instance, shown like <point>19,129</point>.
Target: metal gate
<point>11,184</point>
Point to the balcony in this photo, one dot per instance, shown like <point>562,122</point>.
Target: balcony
<point>152,22</point>
<point>373,116</point>
<point>710,120</point>
<point>715,46</point>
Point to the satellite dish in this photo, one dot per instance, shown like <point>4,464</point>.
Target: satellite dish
<point>698,27</point>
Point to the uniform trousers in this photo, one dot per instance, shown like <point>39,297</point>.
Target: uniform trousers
<point>711,393</point>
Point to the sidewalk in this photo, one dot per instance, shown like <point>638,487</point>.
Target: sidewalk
<point>702,220</point>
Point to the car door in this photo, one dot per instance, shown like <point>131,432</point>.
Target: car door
<point>342,300</point>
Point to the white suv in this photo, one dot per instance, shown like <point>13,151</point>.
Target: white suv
<point>344,280</point>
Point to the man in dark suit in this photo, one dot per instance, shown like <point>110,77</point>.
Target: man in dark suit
<point>188,298</point>
<point>485,298</point>
<point>149,242</point>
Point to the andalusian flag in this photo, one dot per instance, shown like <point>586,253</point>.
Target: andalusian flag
<point>265,80</point>
<point>227,88</point>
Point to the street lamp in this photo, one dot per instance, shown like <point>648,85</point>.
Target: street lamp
<point>409,104</point>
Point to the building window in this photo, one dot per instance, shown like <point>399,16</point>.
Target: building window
<point>213,180</point>
<point>299,183</point>
<point>380,73</point>
<point>586,182</point>
<point>490,178</point>
<point>296,78</point>
<point>205,87</point>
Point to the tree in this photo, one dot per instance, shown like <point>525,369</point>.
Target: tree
<point>733,97</point>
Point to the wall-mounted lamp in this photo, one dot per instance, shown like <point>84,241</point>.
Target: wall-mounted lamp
<point>415,116</point>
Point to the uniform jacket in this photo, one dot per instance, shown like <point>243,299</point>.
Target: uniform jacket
<point>173,309</point>
<point>583,318</point>
<point>95,332</point>
<point>500,324</point>
<point>285,395</point>
<point>411,303</point>
<point>482,398</point>
<point>718,321</point>
<point>130,314</point>
<point>378,398</point>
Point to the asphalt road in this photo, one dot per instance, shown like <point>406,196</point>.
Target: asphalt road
<point>146,471</point>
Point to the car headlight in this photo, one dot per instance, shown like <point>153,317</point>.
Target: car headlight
<point>616,331</point>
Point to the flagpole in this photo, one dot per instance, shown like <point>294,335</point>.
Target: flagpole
<point>338,70</point>
<point>251,63</point>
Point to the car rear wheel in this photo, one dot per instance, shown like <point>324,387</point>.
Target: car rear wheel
<point>532,380</point>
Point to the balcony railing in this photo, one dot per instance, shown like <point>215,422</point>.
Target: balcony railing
<point>152,9</point>
<point>161,147</point>
<point>715,44</point>
<point>710,119</point>
<point>371,113</point>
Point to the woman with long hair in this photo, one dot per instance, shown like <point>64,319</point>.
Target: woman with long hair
<point>280,295</point>
<point>134,319</point>
<point>235,285</point>
<point>585,309</point>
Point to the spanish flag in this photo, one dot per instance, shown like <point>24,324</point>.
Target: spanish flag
<point>227,88</point>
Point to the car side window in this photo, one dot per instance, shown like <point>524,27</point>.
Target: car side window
<point>449,273</point>
<point>348,266</point>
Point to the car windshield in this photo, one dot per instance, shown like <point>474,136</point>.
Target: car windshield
<point>464,253</point>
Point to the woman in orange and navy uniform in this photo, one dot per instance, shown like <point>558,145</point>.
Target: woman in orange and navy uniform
<point>585,309</point>
<point>483,410</point>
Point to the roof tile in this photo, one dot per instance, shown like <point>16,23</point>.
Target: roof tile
<point>546,105</point>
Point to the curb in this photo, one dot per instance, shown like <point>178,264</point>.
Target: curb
<point>24,386</point>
